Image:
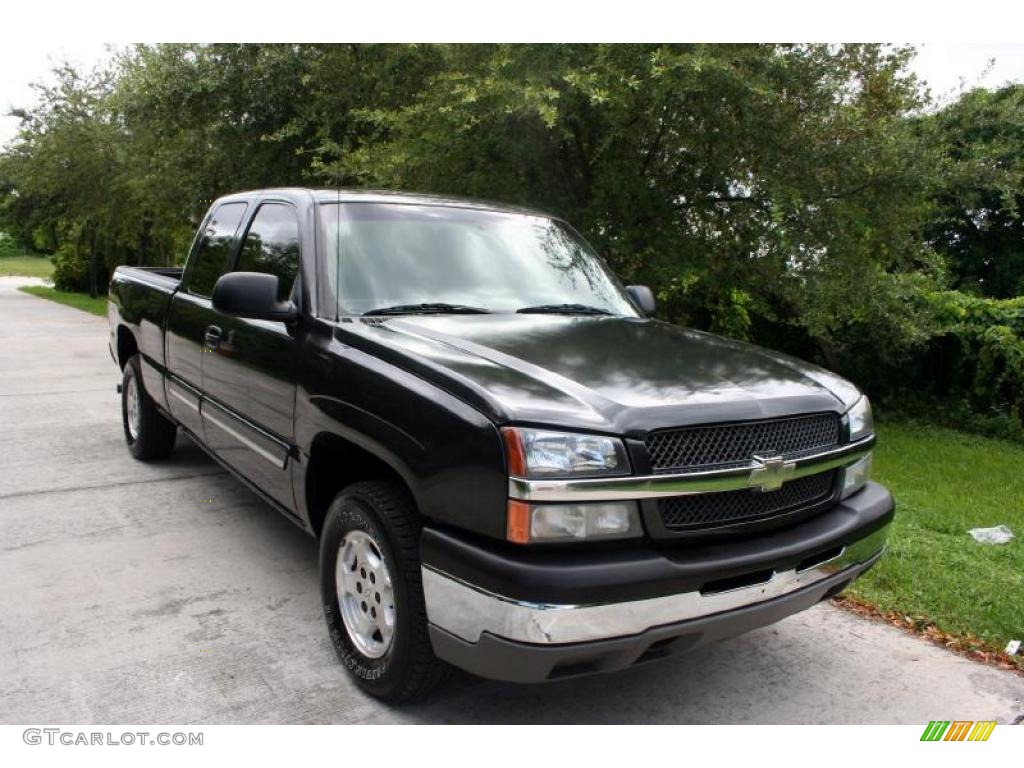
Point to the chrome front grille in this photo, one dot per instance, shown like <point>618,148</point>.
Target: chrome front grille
<point>713,510</point>
<point>719,446</point>
<point>731,446</point>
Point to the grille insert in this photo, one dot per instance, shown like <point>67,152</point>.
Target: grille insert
<point>711,510</point>
<point>725,445</point>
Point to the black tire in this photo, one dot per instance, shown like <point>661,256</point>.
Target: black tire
<point>155,433</point>
<point>408,669</point>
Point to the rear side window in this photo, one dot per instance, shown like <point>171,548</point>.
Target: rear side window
<point>210,260</point>
<point>272,246</point>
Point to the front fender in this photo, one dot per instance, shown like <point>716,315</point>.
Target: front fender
<point>448,453</point>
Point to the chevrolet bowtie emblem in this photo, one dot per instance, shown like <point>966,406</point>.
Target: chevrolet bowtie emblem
<point>770,473</point>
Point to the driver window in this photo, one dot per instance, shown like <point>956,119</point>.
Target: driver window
<point>271,246</point>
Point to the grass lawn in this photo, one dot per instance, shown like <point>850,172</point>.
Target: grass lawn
<point>26,266</point>
<point>945,483</point>
<point>83,301</point>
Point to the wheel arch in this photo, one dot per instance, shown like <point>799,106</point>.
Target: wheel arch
<point>127,346</point>
<point>336,462</point>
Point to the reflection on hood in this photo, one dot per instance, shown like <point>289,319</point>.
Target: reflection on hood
<point>625,375</point>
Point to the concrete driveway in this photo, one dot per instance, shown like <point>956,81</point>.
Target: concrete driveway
<point>166,593</point>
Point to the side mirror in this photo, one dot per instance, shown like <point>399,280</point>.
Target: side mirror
<point>643,298</point>
<point>252,295</point>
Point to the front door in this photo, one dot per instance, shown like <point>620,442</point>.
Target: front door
<point>249,371</point>
<point>190,312</point>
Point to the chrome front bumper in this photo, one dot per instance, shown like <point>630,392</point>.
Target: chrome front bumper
<point>467,612</point>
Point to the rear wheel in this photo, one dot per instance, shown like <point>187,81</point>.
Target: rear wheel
<point>149,434</point>
<point>372,592</point>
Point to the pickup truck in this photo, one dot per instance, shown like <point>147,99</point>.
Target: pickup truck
<point>510,466</point>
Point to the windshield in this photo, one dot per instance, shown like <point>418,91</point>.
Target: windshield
<point>428,258</point>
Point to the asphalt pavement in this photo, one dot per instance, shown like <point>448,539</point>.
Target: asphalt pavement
<point>167,593</point>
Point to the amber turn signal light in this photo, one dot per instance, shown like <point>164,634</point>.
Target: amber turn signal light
<point>517,528</point>
<point>514,453</point>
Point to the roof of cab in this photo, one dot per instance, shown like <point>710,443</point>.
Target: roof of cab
<point>389,196</point>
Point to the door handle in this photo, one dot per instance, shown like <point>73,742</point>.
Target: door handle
<point>213,334</point>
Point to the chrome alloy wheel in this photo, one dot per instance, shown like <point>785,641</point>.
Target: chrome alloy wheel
<point>365,595</point>
<point>133,408</point>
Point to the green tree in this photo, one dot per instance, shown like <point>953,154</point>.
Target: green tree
<point>66,190</point>
<point>779,193</point>
<point>979,222</point>
<point>779,187</point>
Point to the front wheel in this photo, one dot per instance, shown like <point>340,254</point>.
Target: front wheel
<point>149,434</point>
<point>372,592</point>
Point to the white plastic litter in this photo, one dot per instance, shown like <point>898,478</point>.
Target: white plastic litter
<point>1013,647</point>
<point>998,535</point>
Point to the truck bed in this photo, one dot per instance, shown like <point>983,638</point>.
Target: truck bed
<point>140,298</point>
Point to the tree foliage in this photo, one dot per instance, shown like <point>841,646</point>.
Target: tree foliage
<point>800,196</point>
<point>979,221</point>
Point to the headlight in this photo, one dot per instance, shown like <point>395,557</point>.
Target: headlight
<point>538,453</point>
<point>861,422</point>
<point>856,476</point>
<point>572,522</point>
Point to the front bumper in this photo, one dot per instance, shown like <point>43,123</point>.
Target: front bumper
<point>534,616</point>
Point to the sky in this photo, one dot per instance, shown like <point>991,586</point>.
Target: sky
<point>946,67</point>
<point>21,65</point>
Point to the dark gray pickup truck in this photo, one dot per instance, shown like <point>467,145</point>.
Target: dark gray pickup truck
<point>510,467</point>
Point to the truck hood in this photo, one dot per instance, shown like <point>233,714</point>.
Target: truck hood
<point>616,374</point>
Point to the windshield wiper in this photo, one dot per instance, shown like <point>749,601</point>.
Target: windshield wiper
<point>563,309</point>
<point>428,308</point>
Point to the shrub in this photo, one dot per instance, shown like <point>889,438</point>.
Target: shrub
<point>970,373</point>
<point>981,352</point>
<point>8,246</point>
<point>70,268</point>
